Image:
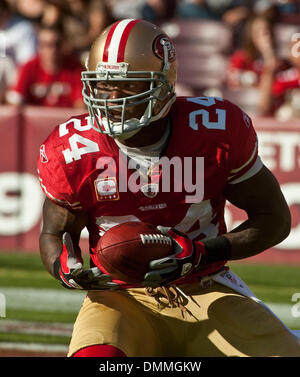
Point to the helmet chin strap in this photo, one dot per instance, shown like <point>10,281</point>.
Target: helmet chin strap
<point>127,135</point>
<point>164,110</point>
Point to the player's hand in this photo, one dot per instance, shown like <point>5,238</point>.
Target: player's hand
<point>185,258</point>
<point>69,270</point>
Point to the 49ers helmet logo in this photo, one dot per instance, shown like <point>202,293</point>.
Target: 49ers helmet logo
<point>158,47</point>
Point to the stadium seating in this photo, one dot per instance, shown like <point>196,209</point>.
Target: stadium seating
<point>202,49</point>
<point>247,98</point>
<point>212,36</point>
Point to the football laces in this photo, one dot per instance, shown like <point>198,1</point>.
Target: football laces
<point>155,239</point>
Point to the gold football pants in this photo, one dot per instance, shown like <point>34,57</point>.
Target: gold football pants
<point>217,322</point>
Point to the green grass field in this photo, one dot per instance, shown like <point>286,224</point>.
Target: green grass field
<point>33,296</point>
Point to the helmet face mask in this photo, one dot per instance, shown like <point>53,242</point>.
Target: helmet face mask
<point>152,93</point>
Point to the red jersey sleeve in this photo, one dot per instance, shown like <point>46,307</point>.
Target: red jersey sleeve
<point>244,161</point>
<point>53,179</point>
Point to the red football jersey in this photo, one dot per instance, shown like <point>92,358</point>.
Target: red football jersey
<point>212,144</point>
<point>243,70</point>
<point>37,87</point>
<point>285,80</point>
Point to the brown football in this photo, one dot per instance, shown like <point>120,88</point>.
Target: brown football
<point>125,250</point>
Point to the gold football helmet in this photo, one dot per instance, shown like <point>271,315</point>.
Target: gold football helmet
<point>129,51</point>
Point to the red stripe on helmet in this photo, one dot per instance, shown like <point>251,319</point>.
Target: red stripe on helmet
<point>108,40</point>
<point>123,40</point>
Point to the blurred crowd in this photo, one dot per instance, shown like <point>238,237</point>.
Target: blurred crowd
<point>44,44</point>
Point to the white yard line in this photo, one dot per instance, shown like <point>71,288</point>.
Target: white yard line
<point>48,300</point>
<point>54,300</point>
<point>39,347</point>
<point>36,328</point>
<point>51,300</point>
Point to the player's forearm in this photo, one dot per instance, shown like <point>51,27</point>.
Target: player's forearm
<point>56,221</point>
<point>50,249</point>
<point>269,218</point>
<point>252,237</point>
<point>257,234</point>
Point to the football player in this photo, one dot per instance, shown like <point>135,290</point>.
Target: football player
<point>190,303</point>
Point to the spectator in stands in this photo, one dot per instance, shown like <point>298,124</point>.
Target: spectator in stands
<point>126,8</point>
<point>31,10</point>
<point>159,10</point>
<point>18,35</point>
<point>286,86</point>
<point>52,12</point>
<point>229,11</point>
<point>76,24</point>
<point>256,65</point>
<point>196,9</point>
<point>234,13</point>
<point>287,11</point>
<point>51,78</point>
<point>100,16</point>
<point>83,20</point>
<point>246,64</point>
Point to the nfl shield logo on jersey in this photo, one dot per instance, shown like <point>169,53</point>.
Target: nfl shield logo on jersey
<point>150,190</point>
<point>106,189</point>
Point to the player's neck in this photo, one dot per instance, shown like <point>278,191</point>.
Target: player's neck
<point>148,135</point>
